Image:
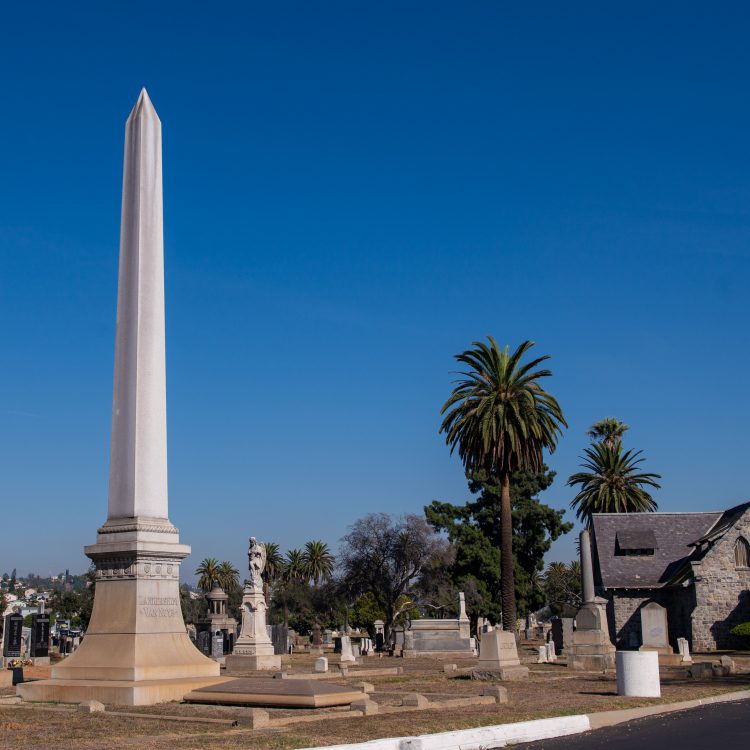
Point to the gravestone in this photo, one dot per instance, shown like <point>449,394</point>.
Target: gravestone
<point>13,636</point>
<point>684,650</point>
<point>347,656</point>
<point>316,642</point>
<point>654,633</point>
<point>280,638</point>
<point>557,634</point>
<point>551,654</point>
<point>321,664</point>
<point>40,638</point>
<point>217,645</point>
<point>379,640</point>
<point>337,645</point>
<point>567,632</point>
<point>203,642</point>
<point>498,658</point>
<point>542,658</point>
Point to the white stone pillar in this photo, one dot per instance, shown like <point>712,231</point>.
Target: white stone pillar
<point>587,568</point>
<point>136,650</point>
<point>138,456</point>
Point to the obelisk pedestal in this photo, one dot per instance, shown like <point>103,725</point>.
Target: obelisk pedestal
<point>136,650</point>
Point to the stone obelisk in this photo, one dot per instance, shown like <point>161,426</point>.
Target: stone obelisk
<point>591,648</point>
<point>136,650</point>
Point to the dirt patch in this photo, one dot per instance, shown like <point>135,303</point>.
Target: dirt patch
<point>550,690</point>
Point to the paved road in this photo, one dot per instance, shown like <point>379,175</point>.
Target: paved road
<point>722,725</point>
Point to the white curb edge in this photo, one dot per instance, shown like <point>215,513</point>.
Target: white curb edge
<point>501,735</point>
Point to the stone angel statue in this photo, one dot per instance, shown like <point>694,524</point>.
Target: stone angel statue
<point>256,555</point>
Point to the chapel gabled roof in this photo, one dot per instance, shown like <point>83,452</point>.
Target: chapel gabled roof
<point>621,538</point>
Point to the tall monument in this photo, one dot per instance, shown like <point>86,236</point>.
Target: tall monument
<point>253,649</point>
<point>136,650</point>
<point>591,648</point>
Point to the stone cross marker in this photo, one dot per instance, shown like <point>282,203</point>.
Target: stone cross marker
<point>654,626</point>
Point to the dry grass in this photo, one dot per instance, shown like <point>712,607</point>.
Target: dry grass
<point>549,691</point>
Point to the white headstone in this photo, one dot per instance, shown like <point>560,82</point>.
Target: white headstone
<point>551,655</point>
<point>684,650</point>
<point>542,658</point>
<point>654,626</point>
<point>346,650</point>
<point>321,664</point>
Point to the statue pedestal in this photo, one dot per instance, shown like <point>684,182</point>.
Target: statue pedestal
<point>253,649</point>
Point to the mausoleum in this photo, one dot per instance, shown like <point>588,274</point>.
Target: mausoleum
<point>694,565</point>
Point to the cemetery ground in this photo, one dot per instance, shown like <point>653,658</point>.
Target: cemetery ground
<point>455,702</point>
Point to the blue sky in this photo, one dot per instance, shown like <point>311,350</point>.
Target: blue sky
<point>354,192</point>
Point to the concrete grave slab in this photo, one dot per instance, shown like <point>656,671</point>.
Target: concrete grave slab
<point>278,693</point>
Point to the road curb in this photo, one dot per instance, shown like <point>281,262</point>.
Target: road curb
<point>610,718</point>
<point>500,735</point>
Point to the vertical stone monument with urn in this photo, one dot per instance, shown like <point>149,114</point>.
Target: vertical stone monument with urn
<point>254,648</point>
<point>136,650</point>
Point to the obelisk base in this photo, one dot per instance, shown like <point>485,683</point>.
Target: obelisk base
<point>591,649</point>
<point>136,650</point>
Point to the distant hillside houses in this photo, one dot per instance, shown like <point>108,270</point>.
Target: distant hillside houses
<point>695,565</point>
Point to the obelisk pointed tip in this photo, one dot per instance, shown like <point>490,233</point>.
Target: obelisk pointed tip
<point>143,107</point>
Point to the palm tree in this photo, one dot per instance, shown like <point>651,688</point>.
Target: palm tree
<point>294,566</point>
<point>609,430</point>
<point>229,577</point>
<point>501,420</point>
<point>274,567</point>
<point>209,574</point>
<point>293,572</point>
<point>318,561</point>
<point>612,483</point>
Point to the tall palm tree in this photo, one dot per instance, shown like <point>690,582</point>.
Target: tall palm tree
<point>612,483</point>
<point>208,571</point>
<point>500,419</point>
<point>318,561</point>
<point>294,567</point>
<point>609,431</point>
<point>274,567</point>
<point>293,572</point>
<point>229,577</point>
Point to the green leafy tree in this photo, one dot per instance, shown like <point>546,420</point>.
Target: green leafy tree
<point>473,530</point>
<point>208,573</point>
<point>612,483</point>
<point>317,562</point>
<point>501,420</point>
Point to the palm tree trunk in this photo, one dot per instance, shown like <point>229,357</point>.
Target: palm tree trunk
<point>507,578</point>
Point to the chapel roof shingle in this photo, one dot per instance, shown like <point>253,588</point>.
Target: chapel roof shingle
<point>673,534</point>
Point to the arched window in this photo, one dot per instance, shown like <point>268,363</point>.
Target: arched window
<point>742,554</point>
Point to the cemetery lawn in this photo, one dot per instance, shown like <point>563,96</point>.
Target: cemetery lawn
<point>550,691</point>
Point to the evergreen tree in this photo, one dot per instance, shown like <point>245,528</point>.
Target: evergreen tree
<point>473,530</point>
